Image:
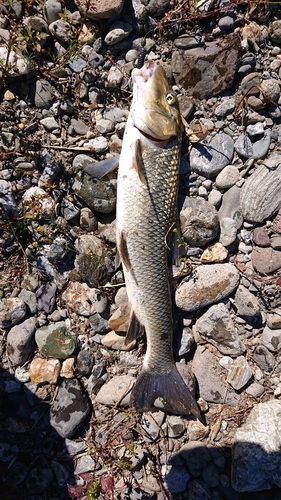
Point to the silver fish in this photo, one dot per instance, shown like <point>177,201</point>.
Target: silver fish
<point>146,214</point>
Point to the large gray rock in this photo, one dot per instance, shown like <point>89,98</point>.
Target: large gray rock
<point>210,156</point>
<point>70,408</point>
<point>206,71</point>
<point>20,342</point>
<point>99,9</point>
<point>256,451</point>
<point>207,285</point>
<point>260,195</point>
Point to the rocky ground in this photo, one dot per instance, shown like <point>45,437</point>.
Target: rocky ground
<point>66,428</point>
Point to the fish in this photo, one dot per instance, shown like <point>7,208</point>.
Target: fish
<point>146,214</point>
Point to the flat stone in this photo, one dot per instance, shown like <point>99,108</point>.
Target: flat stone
<point>264,358</point>
<point>271,339</point>
<point>216,326</point>
<point>261,237</point>
<point>206,285</point>
<point>211,378</point>
<point>260,198</point>
<point>228,231</point>
<point>227,177</point>
<point>273,319</point>
<point>116,390</point>
<point>116,342</point>
<point>208,158</point>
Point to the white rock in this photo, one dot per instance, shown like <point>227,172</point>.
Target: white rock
<point>239,373</point>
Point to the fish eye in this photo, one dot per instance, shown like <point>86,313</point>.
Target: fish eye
<point>170,98</point>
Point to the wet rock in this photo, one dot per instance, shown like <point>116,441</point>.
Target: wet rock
<point>20,341</point>
<point>256,452</point>
<point>209,157</point>
<point>216,326</point>
<point>239,373</point>
<point>70,408</point>
<point>84,300</point>
<point>199,222</point>
<point>259,195</point>
<point>12,311</point>
<point>206,285</point>
<point>211,378</point>
<point>116,390</point>
<point>44,370</point>
<point>247,304</point>
<point>191,68</point>
<point>55,341</point>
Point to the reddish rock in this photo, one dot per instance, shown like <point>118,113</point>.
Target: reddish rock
<point>99,9</point>
<point>266,260</point>
<point>260,237</point>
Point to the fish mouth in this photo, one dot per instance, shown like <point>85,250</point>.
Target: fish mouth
<point>151,138</point>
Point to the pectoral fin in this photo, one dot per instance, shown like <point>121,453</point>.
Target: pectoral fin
<point>139,161</point>
<point>102,168</point>
<point>123,251</point>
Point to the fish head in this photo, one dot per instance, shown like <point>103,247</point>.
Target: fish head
<point>155,108</point>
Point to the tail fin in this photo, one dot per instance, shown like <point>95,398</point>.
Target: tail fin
<point>170,387</point>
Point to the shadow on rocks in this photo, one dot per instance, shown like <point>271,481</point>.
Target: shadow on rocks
<point>34,461</point>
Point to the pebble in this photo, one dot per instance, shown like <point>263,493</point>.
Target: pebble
<point>214,253</point>
<point>246,303</point>
<point>239,373</point>
<point>264,358</point>
<point>228,231</point>
<point>44,370</point>
<point>273,319</point>
<point>253,146</point>
<point>227,177</point>
<point>151,423</point>
<point>175,478</point>
<point>43,94</point>
<point>255,390</point>
<point>266,260</point>
<point>206,285</point>
<point>20,342</point>
<point>271,339</point>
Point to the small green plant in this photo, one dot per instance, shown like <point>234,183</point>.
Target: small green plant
<point>93,491</point>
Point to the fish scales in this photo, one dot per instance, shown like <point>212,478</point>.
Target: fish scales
<point>146,213</point>
<point>151,213</point>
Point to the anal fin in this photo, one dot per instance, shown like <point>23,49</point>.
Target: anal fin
<point>135,329</point>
